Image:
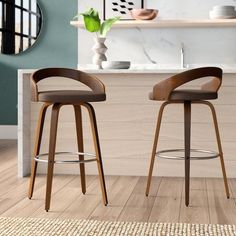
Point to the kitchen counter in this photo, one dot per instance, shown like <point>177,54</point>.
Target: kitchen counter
<point>126,123</point>
<point>141,69</point>
<point>149,69</point>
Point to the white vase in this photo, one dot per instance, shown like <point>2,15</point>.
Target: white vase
<point>99,49</point>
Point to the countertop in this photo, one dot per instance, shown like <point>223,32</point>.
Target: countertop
<point>138,69</point>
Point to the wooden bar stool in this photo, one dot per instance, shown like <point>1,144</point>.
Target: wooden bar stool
<point>57,99</point>
<point>166,91</point>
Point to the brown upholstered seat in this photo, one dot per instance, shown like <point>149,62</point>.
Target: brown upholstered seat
<point>190,95</point>
<point>70,96</point>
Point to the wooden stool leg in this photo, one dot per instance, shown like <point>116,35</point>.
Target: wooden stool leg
<point>187,141</point>
<point>38,140</point>
<point>79,132</point>
<point>219,148</point>
<point>158,126</point>
<point>51,153</point>
<point>97,150</point>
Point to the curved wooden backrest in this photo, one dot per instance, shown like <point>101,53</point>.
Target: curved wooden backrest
<point>92,82</point>
<point>162,90</point>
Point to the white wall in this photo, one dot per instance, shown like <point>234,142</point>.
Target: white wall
<point>202,45</point>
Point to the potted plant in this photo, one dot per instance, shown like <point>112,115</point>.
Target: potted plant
<point>93,24</point>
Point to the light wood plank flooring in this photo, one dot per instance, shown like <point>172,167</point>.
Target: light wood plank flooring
<point>127,201</point>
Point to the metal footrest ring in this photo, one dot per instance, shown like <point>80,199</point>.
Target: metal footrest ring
<point>208,154</point>
<point>89,155</point>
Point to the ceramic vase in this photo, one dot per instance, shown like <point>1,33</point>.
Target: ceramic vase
<point>99,49</point>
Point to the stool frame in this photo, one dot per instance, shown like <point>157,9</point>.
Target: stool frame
<point>52,146</point>
<point>98,88</point>
<point>162,91</point>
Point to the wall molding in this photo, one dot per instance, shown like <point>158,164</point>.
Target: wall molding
<point>8,131</point>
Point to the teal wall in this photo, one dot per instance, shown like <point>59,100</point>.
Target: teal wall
<point>56,46</point>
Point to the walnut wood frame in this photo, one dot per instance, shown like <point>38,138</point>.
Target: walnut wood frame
<point>52,146</point>
<point>187,138</point>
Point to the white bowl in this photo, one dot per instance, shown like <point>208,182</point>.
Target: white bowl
<point>213,15</point>
<point>224,12</point>
<point>227,8</point>
<point>111,65</point>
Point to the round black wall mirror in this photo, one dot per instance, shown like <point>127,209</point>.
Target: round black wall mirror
<point>20,25</point>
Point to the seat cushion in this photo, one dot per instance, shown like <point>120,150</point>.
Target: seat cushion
<point>70,96</point>
<point>190,95</point>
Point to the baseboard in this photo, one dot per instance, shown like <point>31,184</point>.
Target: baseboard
<point>8,131</point>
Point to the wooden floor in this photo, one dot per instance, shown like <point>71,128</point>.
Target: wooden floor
<point>127,201</point>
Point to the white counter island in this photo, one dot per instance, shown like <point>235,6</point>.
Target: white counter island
<point>126,123</point>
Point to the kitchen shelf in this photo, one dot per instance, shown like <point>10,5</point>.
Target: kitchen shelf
<point>184,23</point>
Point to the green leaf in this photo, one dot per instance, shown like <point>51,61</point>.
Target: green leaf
<point>91,20</point>
<point>106,25</point>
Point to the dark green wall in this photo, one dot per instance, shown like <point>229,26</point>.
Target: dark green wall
<point>56,46</point>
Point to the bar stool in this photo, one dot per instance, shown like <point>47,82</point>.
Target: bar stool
<point>166,91</point>
<point>57,99</point>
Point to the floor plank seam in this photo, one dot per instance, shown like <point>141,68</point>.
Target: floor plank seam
<point>128,198</point>
<point>232,192</point>
<point>90,215</point>
<point>180,205</point>
<point>208,204</point>
<point>81,194</point>
<point>42,204</point>
<point>158,187</point>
